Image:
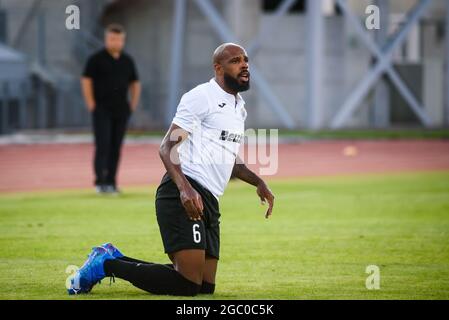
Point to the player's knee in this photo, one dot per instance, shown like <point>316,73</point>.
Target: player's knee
<point>192,270</point>
<point>190,264</point>
<point>193,282</point>
<point>192,274</point>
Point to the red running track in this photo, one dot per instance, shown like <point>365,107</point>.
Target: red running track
<point>59,166</point>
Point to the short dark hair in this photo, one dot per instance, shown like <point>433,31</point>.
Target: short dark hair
<point>115,28</point>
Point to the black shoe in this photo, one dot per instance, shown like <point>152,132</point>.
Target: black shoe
<point>111,189</point>
<point>100,189</point>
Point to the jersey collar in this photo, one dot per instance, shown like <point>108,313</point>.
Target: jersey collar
<point>224,93</point>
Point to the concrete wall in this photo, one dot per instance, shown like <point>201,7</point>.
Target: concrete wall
<point>149,29</point>
<point>44,37</point>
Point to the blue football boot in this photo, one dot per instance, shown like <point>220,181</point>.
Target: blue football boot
<point>90,273</point>
<point>113,251</point>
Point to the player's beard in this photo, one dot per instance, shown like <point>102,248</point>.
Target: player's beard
<point>233,83</point>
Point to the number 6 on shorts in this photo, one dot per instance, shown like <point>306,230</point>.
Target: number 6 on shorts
<point>196,233</point>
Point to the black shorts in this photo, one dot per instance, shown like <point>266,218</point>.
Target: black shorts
<point>178,232</point>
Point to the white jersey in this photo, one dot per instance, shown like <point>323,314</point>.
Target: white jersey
<point>215,120</point>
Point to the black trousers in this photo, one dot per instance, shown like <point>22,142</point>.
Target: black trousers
<point>109,131</point>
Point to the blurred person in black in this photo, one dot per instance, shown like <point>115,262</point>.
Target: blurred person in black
<point>109,75</point>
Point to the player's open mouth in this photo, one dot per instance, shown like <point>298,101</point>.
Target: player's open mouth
<point>244,76</point>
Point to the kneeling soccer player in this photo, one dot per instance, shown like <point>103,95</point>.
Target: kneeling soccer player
<point>208,128</point>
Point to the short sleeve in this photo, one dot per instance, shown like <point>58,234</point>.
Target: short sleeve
<point>192,110</point>
<point>89,69</point>
<point>134,75</point>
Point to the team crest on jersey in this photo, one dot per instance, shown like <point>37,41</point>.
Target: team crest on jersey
<point>233,137</point>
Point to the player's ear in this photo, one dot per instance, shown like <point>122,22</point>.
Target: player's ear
<point>218,68</point>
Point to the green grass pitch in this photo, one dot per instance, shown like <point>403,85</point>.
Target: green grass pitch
<point>323,234</point>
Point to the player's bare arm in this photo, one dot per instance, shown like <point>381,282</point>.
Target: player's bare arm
<point>190,198</point>
<point>242,172</point>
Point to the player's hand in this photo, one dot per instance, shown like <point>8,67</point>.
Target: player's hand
<point>192,202</point>
<point>265,195</point>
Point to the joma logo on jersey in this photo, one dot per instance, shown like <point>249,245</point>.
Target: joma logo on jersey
<point>234,137</point>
